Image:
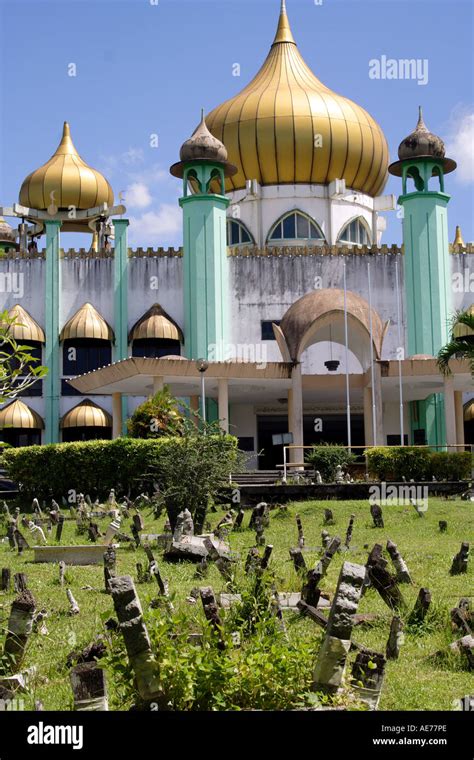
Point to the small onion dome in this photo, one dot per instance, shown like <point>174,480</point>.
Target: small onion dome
<point>65,180</point>
<point>464,331</point>
<point>86,414</point>
<point>7,233</point>
<point>24,328</point>
<point>203,146</point>
<point>469,411</point>
<point>19,415</point>
<point>156,324</point>
<point>459,240</point>
<point>421,143</point>
<point>87,323</point>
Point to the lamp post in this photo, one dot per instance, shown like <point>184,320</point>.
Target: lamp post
<point>202,365</point>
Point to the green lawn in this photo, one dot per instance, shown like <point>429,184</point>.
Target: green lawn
<point>412,683</point>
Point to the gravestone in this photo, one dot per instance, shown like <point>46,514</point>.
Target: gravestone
<point>93,532</point>
<point>184,525</point>
<point>313,613</point>
<point>112,530</point>
<point>20,582</point>
<point>328,517</point>
<point>368,673</point>
<point>11,535</point>
<point>239,519</point>
<point>325,539</point>
<point>110,561</point>
<point>298,560</point>
<point>89,688</point>
<point>20,625</point>
<point>21,541</point>
<point>266,557</point>
<point>299,526</point>
<point>6,579</point>
<point>421,607</point>
<point>461,616</point>
<point>137,641</point>
<point>324,562</point>
<point>62,572</point>
<point>443,526</point>
<point>37,529</point>
<point>223,564</point>
<point>380,578</point>
<point>331,661</point>
<point>310,592</point>
<point>349,531</point>
<point>253,560</point>
<point>465,647</point>
<point>460,560</point>
<point>395,639</point>
<point>73,605</point>
<point>318,477</point>
<point>59,528</point>
<point>211,612</point>
<point>377,515</point>
<point>401,569</point>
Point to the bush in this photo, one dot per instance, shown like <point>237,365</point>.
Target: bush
<point>156,417</point>
<point>396,462</point>
<point>447,465</point>
<point>3,447</point>
<point>326,457</point>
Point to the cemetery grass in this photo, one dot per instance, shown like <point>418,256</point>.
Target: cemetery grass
<point>413,682</point>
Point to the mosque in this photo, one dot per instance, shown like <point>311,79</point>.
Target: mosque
<point>283,303</point>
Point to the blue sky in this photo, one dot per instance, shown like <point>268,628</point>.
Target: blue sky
<point>145,69</point>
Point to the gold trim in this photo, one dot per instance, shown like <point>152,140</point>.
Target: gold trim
<point>156,324</point>
<point>459,240</point>
<point>86,414</point>
<point>25,328</point>
<point>462,331</point>
<point>469,411</point>
<point>87,323</point>
<point>18,415</point>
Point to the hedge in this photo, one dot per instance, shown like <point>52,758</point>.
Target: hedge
<point>397,462</point>
<point>326,457</point>
<point>89,467</point>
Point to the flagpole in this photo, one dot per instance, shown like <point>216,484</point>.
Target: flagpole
<point>372,373</point>
<point>346,337</point>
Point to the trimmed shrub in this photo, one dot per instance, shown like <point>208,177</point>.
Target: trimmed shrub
<point>447,465</point>
<point>92,467</point>
<point>326,457</point>
<point>380,462</point>
<point>157,417</point>
<point>3,447</point>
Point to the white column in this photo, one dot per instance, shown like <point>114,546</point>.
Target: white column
<point>449,411</point>
<point>378,404</point>
<point>223,403</point>
<point>116,415</point>
<point>296,406</point>
<point>158,384</point>
<point>459,418</point>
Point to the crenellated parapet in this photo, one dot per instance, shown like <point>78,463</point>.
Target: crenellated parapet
<point>154,253</point>
<point>466,248</point>
<point>315,250</point>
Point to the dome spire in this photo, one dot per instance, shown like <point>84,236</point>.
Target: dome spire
<point>283,33</point>
<point>421,124</point>
<point>458,240</point>
<point>66,146</point>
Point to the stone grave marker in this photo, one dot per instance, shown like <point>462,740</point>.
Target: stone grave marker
<point>110,566</point>
<point>401,569</point>
<point>299,526</point>
<point>395,639</point>
<point>20,625</point>
<point>6,579</point>
<point>368,673</point>
<point>328,517</point>
<point>443,526</point>
<point>377,515</point>
<point>211,612</point>
<point>460,560</point>
<point>20,582</point>
<point>62,572</point>
<point>89,687</point>
<point>298,560</point>
<point>59,528</point>
<point>421,607</point>
<point>73,605</point>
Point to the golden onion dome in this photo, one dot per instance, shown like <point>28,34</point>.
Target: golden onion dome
<point>287,127</point>
<point>65,180</point>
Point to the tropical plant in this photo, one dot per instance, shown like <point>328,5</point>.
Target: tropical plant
<point>460,346</point>
<point>326,457</point>
<point>156,417</point>
<point>16,362</point>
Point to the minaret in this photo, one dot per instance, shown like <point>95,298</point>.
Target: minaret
<point>203,168</point>
<point>427,271</point>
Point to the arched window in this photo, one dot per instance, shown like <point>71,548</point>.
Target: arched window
<point>355,232</point>
<point>156,334</point>
<point>295,226</point>
<point>237,233</point>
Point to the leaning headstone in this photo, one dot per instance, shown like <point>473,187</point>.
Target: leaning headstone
<point>324,562</point>
<point>21,541</point>
<point>89,688</point>
<point>73,605</point>
<point>377,515</point>
<point>239,518</point>
<point>112,531</point>
<point>110,560</point>
<point>20,625</point>
<point>460,560</point>
<point>313,613</point>
<point>223,564</point>
<point>137,641</point>
<point>299,525</point>
<point>93,532</point>
<point>36,529</point>
<point>253,560</point>
<point>385,584</point>
<point>266,557</point>
<point>331,661</point>
<point>310,592</point>
<point>6,579</point>
<point>298,560</point>
<point>395,639</point>
<point>421,607</point>
<point>349,531</point>
<point>368,673</point>
<point>401,569</point>
<point>225,525</point>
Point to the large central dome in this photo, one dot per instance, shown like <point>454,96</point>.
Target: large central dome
<point>287,127</point>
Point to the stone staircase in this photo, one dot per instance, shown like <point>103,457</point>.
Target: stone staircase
<point>256,477</point>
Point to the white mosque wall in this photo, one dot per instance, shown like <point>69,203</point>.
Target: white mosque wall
<point>243,423</point>
<point>260,211</point>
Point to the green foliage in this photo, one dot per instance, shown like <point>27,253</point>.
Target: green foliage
<point>447,465</point>
<point>460,346</point>
<point>3,447</point>
<point>394,462</point>
<point>326,457</point>
<point>157,417</point>
<point>16,362</point>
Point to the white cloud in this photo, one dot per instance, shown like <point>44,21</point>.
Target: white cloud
<point>137,195</point>
<point>460,144</point>
<point>158,227</point>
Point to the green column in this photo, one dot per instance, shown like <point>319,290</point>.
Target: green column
<point>428,288</point>
<point>205,266</point>
<point>51,383</point>
<point>121,302</point>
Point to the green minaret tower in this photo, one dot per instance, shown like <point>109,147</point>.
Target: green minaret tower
<point>203,168</point>
<point>428,291</point>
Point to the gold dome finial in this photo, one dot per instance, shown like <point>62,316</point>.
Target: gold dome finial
<point>283,33</point>
<point>458,240</point>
